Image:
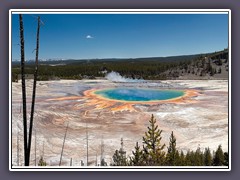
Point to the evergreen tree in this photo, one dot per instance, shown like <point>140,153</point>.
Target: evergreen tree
<point>119,157</point>
<point>198,158</point>
<point>181,161</point>
<point>188,158</point>
<point>153,150</point>
<point>226,159</point>
<point>116,159</point>
<point>103,162</point>
<point>218,159</point>
<point>207,157</point>
<point>192,158</point>
<point>137,159</point>
<point>177,159</point>
<point>42,162</point>
<point>171,158</point>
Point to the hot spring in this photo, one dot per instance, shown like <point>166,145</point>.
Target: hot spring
<point>139,94</point>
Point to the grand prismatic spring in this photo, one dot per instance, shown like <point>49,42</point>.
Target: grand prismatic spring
<point>197,112</point>
<point>139,95</point>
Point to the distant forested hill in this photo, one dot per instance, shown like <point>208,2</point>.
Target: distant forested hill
<point>83,61</point>
<point>199,66</point>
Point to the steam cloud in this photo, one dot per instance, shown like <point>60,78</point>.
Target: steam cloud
<point>116,77</point>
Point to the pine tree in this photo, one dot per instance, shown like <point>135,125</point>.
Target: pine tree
<point>153,150</point>
<point>181,161</point>
<point>172,151</point>
<point>177,159</point>
<point>116,159</point>
<point>218,159</point>
<point>137,159</point>
<point>198,158</point>
<point>192,158</point>
<point>226,159</point>
<point>119,157</point>
<point>207,157</point>
<point>188,158</point>
<point>42,162</point>
<point>103,162</point>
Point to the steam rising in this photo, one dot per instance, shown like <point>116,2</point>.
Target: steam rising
<point>116,77</point>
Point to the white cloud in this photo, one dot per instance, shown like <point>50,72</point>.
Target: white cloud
<point>89,37</point>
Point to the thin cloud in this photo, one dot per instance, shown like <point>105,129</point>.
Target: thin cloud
<point>89,37</point>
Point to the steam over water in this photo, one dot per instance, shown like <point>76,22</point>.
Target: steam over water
<point>130,94</point>
<point>116,77</point>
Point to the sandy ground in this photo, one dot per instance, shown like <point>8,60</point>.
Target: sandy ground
<point>201,122</point>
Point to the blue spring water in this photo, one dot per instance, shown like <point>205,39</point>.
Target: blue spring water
<point>135,94</point>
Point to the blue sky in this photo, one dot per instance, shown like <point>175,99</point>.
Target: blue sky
<point>87,36</point>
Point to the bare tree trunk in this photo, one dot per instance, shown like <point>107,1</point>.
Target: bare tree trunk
<point>63,145</point>
<point>43,150</point>
<point>18,148</point>
<point>71,162</point>
<point>35,147</point>
<point>26,159</point>
<point>34,92</point>
<point>87,140</point>
<point>102,150</point>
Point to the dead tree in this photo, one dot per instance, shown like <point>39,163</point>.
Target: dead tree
<point>71,162</point>
<point>96,159</point>
<point>43,149</point>
<point>26,159</point>
<point>63,145</point>
<point>34,91</point>
<point>35,147</point>
<point>102,150</point>
<point>87,140</point>
<point>28,138</point>
<point>18,148</point>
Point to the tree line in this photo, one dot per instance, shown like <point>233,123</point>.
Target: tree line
<point>140,69</point>
<point>144,68</point>
<point>152,152</point>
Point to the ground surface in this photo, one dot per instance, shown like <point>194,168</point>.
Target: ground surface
<point>201,120</point>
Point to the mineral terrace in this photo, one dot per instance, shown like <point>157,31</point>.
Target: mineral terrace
<point>200,120</point>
